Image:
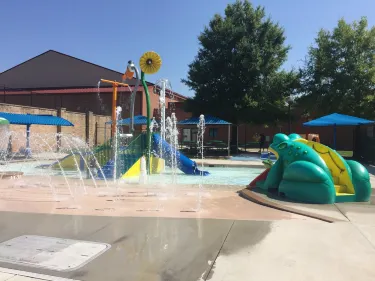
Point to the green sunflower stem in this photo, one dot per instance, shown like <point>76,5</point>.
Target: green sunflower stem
<point>148,142</point>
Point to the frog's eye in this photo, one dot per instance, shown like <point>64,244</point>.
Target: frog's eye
<point>282,145</point>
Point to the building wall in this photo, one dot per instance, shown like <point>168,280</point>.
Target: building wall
<point>179,110</point>
<point>221,130</point>
<point>77,102</point>
<point>344,135</point>
<point>43,136</point>
<point>154,100</point>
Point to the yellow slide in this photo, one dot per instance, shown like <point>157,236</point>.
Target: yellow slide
<point>340,170</point>
<point>69,162</point>
<point>156,166</point>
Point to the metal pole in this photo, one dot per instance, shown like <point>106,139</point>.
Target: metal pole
<point>228,140</point>
<point>245,136</point>
<point>114,105</point>
<point>27,136</point>
<point>290,120</point>
<point>162,103</point>
<point>237,138</point>
<point>148,105</point>
<point>96,133</point>
<point>334,136</point>
<point>28,149</point>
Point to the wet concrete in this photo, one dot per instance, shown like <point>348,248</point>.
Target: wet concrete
<point>171,249</point>
<point>31,194</point>
<point>242,235</point>
<point>303,251</point>
<point>142,248</point>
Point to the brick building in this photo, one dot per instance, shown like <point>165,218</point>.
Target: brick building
<point>53,80</point>
<point>56,80</point>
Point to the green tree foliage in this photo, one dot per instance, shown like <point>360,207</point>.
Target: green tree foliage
<point>236,73</point>
<point>339,74</point>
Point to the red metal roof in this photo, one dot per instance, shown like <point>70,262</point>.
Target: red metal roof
<point>75,91</point>
<point>67,91</point>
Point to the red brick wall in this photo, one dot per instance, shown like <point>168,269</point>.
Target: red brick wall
<point>154,100</point>
<point>77,102</point>
<point>344,135</point>
<point>97,103</point>
<point>180,113</point>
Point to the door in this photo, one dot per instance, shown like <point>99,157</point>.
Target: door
<point>194,133</point>
<point>186,133</point>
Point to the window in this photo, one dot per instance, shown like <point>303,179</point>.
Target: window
<point>194,133</point>
<point>370,131</point>
<point>213,132</point>
<point>186,135</point>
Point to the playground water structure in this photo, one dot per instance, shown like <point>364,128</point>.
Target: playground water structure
<point>47,176</point>
<point>65,162</point>
<point>65,167</point>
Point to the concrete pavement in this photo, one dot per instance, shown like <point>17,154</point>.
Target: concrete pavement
<point>142,248</point>
<point>297,251</point>
<point>7,274</point>
<point>171,249</point>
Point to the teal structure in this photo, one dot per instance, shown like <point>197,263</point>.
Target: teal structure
<point>310,172</point>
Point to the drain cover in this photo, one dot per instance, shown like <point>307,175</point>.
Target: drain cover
<point>50,252</point>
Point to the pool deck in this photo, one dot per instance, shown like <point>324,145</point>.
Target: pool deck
<point>160,233</point>
<point>193,249</point>
<point>28,194</point>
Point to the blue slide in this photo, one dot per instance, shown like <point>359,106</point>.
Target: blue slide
<point>184,163</point>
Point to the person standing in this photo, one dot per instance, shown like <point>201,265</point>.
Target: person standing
<point>262,140</point>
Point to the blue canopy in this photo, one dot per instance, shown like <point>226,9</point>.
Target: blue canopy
<point>32,119</point>
<point>209,120</point>
<point>138,120</point>
<point>336,119</point>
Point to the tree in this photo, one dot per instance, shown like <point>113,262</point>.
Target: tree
<point>235,74</point>
<point>339,73</point>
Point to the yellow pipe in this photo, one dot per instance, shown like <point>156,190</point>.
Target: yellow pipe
<point>114,104</point>
<point>114,82</point>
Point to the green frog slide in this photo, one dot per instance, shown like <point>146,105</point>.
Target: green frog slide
<point>311,172</point>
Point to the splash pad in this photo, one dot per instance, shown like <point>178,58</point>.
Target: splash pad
<point>64,168</point>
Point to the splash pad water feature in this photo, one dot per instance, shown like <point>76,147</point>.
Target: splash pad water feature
<point>65,168</point>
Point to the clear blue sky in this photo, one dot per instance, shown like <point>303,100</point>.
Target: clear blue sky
<point>109,33</point>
